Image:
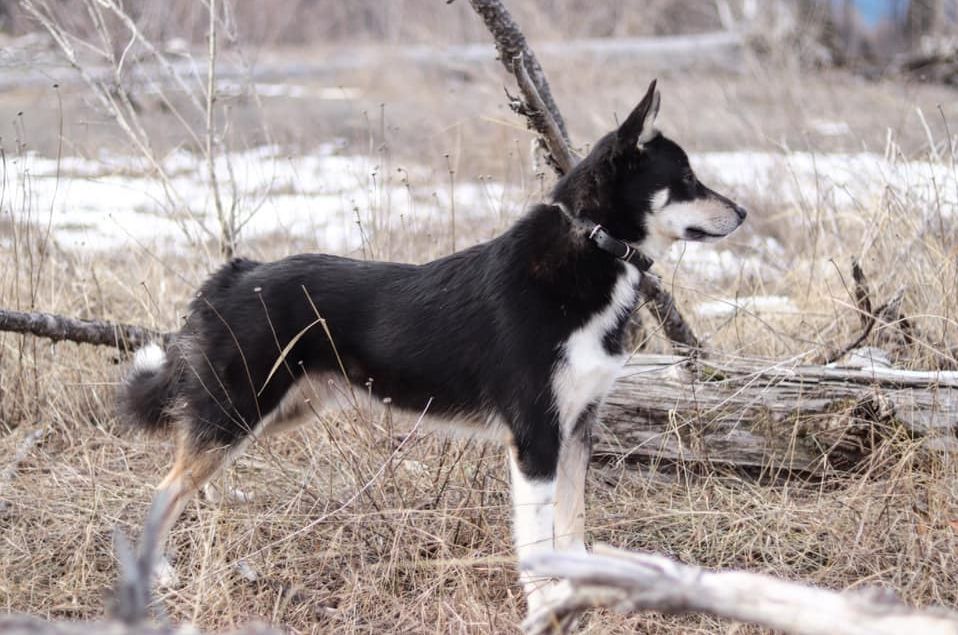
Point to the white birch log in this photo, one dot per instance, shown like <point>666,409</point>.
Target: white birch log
<point>634,582</point>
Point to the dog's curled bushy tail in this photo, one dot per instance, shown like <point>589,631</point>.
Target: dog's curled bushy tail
<point>145,398</point>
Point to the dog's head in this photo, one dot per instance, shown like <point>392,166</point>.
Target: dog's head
<point>639,185</point>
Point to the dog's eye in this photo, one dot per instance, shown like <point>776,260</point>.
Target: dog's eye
<point>689,180</point>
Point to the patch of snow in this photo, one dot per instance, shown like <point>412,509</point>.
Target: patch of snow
<point>233,88</point>
<point>114,201</point>
<point>864,357</point>
<point>828,128</point>
<point>747,304</point>
<point>845,181</point>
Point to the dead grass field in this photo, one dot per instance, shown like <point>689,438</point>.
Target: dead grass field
<point>352,531</point>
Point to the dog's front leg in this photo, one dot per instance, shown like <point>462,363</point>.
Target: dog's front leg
<point>570,487</point>
<point>533,465</point>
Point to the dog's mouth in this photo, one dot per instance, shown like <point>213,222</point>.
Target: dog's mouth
<point>697,233</point>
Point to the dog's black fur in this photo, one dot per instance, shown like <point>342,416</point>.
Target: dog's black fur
<point>476,335</point>
<point>473,332</point>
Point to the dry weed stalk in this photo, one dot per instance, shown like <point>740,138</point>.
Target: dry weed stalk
<point>115,98</point>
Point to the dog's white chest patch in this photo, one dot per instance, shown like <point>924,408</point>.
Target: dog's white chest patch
<point>586,370</point>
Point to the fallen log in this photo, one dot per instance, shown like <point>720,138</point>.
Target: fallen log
<point>633,582</point>
<point>775,415</point>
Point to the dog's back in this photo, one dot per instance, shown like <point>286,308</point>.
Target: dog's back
<point>256,329</point>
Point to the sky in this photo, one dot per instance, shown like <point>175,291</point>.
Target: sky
<point>873,11</point>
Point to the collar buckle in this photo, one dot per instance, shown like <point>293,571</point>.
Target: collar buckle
<point>607,242</point>
<point>618,248</point>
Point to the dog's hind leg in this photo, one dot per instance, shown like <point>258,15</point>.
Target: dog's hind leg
<point>193,468</point>
<point>287,416</point>
<point>198,462</point>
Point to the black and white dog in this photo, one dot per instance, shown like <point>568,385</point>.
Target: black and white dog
<point>519,337</point>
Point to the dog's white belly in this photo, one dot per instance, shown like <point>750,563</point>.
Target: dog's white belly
<point>586,370</point>
<point>330,392</point>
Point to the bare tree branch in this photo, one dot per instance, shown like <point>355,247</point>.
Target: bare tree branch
<point>886,314</point>
<point>125,337</point>
<point>648,582</point>
<point>512,45</point>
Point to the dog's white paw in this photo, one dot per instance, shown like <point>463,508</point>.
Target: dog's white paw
<point>542,598</point>
<point>164,575</point>
<point>544,593</point>
<point>215,495</point>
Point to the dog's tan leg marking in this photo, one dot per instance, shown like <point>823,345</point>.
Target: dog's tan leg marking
<point>570,494</point>
<point>191,470</point>
<point>194,467</point>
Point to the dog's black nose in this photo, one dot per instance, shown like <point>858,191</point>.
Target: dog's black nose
<point>741,212</point>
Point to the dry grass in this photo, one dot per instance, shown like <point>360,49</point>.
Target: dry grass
<point>351,531</point>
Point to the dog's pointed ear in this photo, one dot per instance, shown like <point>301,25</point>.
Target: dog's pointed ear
<point>639,127</point>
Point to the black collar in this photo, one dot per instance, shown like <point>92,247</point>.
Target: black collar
<point>608,243</point>
<point>618,248</point>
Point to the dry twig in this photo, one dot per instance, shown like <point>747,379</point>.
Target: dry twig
<point>888,315</point>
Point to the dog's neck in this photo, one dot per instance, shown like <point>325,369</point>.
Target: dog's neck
<point>600,237</point>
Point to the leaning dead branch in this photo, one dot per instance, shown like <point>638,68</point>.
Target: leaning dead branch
<point>512,45</point>
<point>560,155</point>
<point>543,116</point>
<point>633,582</point>
<point>125,337</point>
<point>662,305</point>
